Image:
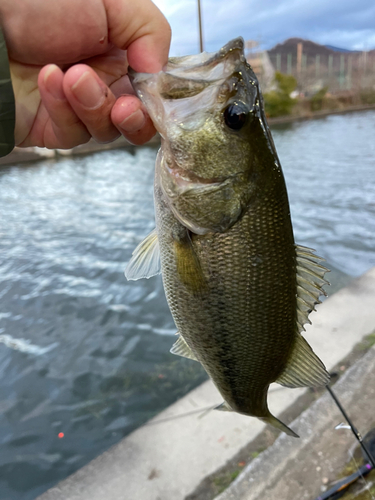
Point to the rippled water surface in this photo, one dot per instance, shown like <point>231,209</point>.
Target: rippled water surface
<point>85,353</point>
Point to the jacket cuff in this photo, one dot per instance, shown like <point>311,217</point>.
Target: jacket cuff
<point>7,102</point>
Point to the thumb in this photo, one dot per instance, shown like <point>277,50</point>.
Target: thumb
<point>140,28</point>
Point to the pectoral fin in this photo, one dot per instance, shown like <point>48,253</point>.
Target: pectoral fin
<point>189,269</point>
<point>145,261</point>
<point>304,368</point>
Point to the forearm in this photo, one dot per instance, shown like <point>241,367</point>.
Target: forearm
<point>7,103</point>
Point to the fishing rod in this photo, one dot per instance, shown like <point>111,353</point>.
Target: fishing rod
<point>341,486</point>
<point>354,430</point>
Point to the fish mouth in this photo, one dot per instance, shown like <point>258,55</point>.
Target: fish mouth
<point>233,49</point>
<point>193,63</point>
<point>187,88</point>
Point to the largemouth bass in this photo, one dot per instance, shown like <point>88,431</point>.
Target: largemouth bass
<point>239,288</point>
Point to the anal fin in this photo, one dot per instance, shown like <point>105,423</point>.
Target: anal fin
<point>304,368</point>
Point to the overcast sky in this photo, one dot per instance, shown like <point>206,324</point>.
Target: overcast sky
<point>348,24</point>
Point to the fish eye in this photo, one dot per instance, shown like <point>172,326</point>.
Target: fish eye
<point>235,115</point>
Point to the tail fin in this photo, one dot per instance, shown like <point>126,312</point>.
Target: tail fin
<point>270,419</point>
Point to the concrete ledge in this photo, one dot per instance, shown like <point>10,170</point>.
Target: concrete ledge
<point>170,456</point>
<point>296,468</point>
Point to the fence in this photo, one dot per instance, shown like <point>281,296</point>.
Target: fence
<point>338,71</point>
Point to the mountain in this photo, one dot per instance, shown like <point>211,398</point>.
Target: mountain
<point>338,49</point>
<point>310,48</point>
<point>285,54</point>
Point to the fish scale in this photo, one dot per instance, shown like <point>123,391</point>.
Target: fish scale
<point>234,306</point>
<point>238,287</point>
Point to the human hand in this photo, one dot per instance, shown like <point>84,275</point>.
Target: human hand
<point>85,92</point>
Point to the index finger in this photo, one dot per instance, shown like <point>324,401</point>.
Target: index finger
<point>141,29</point>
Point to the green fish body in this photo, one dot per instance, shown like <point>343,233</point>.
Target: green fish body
<point>238,287</point>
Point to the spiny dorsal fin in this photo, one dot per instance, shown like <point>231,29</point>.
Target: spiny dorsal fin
<point>145,261</point>
<point>181,348</point>
<point>304,368</point>
<point>310,280</point>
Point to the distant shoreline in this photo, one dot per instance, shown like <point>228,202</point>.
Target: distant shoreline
<point>319,114</point>
<point>26,155</point>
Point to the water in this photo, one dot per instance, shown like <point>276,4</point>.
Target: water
<point>85,353</point>
<point>329,165</point>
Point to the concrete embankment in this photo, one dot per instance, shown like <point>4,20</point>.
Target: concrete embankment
<point>168,458</point>
<point>300,468</point>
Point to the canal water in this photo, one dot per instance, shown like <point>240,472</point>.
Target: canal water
<point>84,354</point>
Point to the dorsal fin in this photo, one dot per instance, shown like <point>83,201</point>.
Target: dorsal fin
<point>310,280</point>
<point>181,348</point>
<point>304,368</point>
<point>145,261</point>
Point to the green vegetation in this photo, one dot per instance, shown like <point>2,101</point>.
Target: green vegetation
<point>367,342</point>
<point>278,102</point>
<point>368,96</point>
<point>223,481</point>
<point>363,489</point>
<point>316,101</point>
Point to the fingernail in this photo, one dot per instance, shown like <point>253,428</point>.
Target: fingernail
<point>52,83</point>
<point>134,122</point>
<point>88,91</point>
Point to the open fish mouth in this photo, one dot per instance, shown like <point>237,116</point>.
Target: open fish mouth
<point>197,66</point>
<point>188,103</point>
<point>188,86</point>
<point>208,66</point>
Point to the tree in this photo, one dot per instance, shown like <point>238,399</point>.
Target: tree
<point>278,102</point>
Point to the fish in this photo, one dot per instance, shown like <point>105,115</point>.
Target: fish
<point>239,288</point>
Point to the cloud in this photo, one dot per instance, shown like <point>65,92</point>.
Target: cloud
<point>343,23</point>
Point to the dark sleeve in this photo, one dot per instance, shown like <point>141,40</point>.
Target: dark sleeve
<point>7,103</point>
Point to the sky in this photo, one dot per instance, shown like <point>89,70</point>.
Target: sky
<point>348,24</point>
